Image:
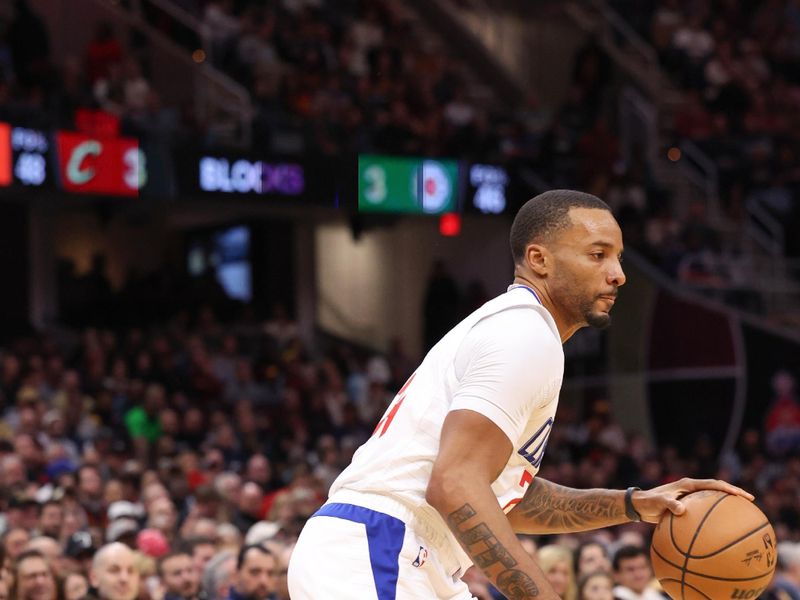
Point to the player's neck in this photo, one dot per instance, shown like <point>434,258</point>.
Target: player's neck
<point>565,330</point>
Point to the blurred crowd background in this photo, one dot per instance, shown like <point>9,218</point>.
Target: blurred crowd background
<point>175,454</point>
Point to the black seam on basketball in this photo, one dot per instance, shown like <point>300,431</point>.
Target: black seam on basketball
<point>694,539</point>
<point>704,576</point>
<point>733,543</point>
<point>672,534</point>
<point>665,559</point>
<point>689,585</point>
<point>715,578</point>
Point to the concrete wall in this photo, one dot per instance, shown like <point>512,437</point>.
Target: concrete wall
<point>372,289</point>
<point>538,53</point>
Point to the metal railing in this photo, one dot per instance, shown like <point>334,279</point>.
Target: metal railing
<point>215,93</point>
<point>703,172</point>
<point>630,51</point>
<point>638,122</point>
<point>623,32</point>
<point>765,229</point>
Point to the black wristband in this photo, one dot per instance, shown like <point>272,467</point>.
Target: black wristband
<point>630,511</point>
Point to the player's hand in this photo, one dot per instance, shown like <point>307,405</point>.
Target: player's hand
<point>651,504</point>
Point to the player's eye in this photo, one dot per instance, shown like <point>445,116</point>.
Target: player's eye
<point>598,255</point>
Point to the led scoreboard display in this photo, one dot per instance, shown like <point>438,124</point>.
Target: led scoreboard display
<point>23,156</point>
<point>396,184</point>
<point>487,190</point>
<point>109,165</point>
<point>242,176</point>
<point>94,165</point>
<point>29,148</point>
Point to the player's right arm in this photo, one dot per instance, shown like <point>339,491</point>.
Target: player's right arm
<point>472,453</point>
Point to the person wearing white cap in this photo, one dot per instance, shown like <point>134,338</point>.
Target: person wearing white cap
<point>122,530</point>
<point>124,508</point>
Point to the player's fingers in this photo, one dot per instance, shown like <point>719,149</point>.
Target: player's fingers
<point>676,507</point>
<point>718,484</point>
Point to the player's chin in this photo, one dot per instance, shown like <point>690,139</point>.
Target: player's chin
<point>598,319</point>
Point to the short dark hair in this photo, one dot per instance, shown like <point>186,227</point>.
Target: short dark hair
<point>51,502</point>
<point>583,580</point>
<point>193,542</point>
<point>26,554</point>
<point>247,548</point>
<point>627,552</point>
<point>582,546</point>
<point>171,554</point>
<point>546,214</point>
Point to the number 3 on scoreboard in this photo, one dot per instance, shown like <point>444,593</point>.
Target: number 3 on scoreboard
<point>390,413</point>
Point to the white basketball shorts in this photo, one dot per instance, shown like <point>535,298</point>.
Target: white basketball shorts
<point>348,552</point>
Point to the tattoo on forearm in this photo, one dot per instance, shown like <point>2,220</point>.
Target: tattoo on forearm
<point>559,508</point>
<point>516,585</point>
<point>487,552</point>
<point>457,517</point>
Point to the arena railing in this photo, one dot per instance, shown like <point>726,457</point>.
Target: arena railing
<point>215,92</point>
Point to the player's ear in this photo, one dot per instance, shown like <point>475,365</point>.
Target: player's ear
<point>538,259</point>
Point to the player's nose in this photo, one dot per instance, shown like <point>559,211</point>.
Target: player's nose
<point>616,276</point>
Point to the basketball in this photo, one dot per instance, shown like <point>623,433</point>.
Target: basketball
<point>723,546</point>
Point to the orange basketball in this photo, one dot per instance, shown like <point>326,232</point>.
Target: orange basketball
<point>721,547</point>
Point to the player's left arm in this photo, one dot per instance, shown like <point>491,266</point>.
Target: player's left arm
<point>551,508</point>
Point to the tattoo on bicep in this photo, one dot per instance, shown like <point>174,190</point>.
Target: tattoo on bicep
<point>558,507</point>
<point>487,552</point>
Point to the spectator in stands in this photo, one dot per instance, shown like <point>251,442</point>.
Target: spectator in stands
<point>556,563</point>
<point>783,417</point>
<point>220,26</point>
<point>33,577</point>
<point>219,575</point>
<point>76,586</point>
<point>633,574</point>
<point>114,575</point>
<point>786,584</point>
<point>255,574</point>
<point>79,552</point>
<point>249,507</point>
<point>14,540</point>
<point>442,299</point>
<point>52,551</point>
<point>50,518</point>
<point>201,550</point>
<point>22,511</point>
<point>104,51</point>
<point>282,555</point>
<point>598,585</point>
<point>591,556</point>
<point>178,576</point>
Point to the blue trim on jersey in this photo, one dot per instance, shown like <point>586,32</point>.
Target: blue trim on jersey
<point>531,290</point>
<point>385,539</point>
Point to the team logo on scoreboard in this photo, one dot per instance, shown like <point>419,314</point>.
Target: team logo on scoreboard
<point>431,182</point>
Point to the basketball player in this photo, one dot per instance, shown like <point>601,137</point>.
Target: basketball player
<point>448,476</point>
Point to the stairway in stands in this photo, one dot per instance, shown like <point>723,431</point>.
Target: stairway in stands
<point>182,75</point>
<point>532,42</point>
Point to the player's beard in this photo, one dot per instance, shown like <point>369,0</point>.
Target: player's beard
<point>596,318</point>
<point>590,315</point>
<point>583,310</point>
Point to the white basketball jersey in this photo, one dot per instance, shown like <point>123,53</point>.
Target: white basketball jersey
<point>505,361</point>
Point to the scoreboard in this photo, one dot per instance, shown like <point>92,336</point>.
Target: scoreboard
<point>99,162</point>
<point>395,184</point>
